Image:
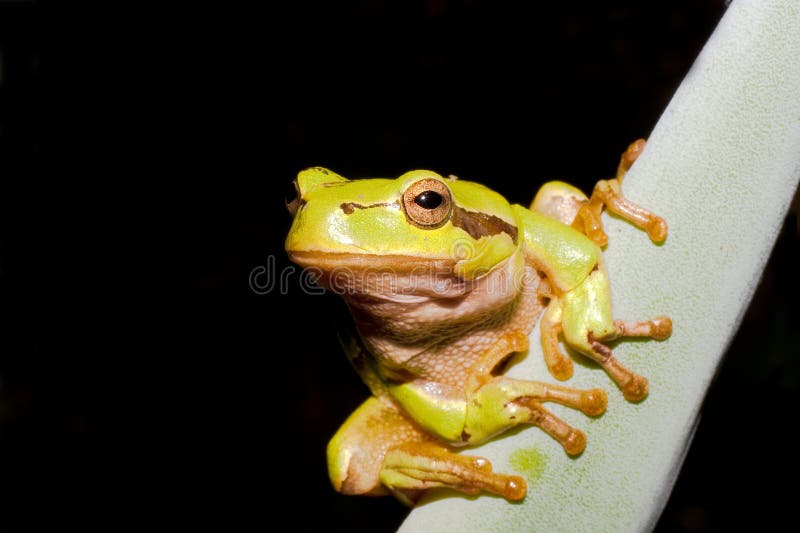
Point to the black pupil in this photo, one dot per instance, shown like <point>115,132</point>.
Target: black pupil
<point>428,199</point>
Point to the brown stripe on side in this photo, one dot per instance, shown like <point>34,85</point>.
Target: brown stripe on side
<point>481,224</point>
<point>350,207</point>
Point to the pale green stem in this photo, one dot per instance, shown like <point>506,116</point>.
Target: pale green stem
<point>721,166</point>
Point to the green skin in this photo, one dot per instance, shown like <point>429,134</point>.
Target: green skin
<point>365,224</point>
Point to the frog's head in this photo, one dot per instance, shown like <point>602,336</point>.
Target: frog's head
<point>417,220</point>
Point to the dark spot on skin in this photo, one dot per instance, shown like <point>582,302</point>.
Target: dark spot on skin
<point>323,170</point>
<point>596,268</point>
<point>465,436</point>
<point>537,416</point>
<point>600,348</point>
<point>396,375</point>
<point>480,224</point>
<point>349,207</point>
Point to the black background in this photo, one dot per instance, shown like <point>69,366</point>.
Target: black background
<point>142,382</point>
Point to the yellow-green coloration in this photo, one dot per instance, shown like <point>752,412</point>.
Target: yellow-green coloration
<point>565,255</point>
<point>445,280</point>
<point>366,216</point>
<point>585,310</point>
<point>530,462</point>
<point>441,416</point>
<point>486,253</point>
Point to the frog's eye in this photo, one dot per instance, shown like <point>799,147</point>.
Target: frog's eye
<point>428,203</point>
<point>292,198</point>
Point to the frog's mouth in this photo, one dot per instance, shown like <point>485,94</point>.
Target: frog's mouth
<point>390,277</point>
<point>401,264</point>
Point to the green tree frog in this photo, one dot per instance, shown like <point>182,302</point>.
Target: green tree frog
<point>445,280</point>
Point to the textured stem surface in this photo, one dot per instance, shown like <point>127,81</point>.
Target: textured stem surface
<point>721,166</point>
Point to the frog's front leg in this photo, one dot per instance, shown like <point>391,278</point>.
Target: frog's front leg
<point>569,205</point>
<point>503,403</point>
<point>497,403</point>
<point>583,316</point>
<point>381,447</point>
<point>378,449</point>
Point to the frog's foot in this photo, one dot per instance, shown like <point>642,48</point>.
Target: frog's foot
<point>506,402</point>
<point>560,365</point>
<point>424,465</point>
<point>378,450</point>
<point>571,439</point>
<point>633,386</point>
<point>608,193</point>
<point>583,317</point>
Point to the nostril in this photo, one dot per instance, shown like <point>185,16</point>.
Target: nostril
<point>292,199</point>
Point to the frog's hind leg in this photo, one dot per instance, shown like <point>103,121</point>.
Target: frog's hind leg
<point>378,450</point>
<point>608,193</point>
<point>570,206</point>
<point>414,466</point>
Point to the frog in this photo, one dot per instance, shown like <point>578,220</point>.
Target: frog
<point>445,280</point>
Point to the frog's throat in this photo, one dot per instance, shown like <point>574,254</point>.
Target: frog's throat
<point>367,280</point>
<point>395,331</point>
